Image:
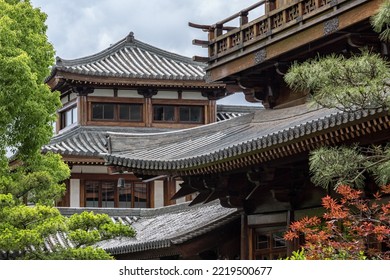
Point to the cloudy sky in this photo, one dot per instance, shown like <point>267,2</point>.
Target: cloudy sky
<point>79,28</point>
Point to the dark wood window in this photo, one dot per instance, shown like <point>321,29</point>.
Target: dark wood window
<point>164,113</point>
<point>130,112</point>
<point>181,114</point>
<point>116,112</point>
<point>68,117</point>
<point>103,111</point>
<point>190,114</point>
<point>107,194</point>
<point>269,245</point>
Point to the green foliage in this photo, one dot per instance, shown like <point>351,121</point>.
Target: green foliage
<point>27,111</point>
<point>349,84</point>
<point>27,105</point>
<point>22,226</point>
<point>87,228</point>
<point>86,253</point>
<point>358,82</point>
<point>334,166</point>
<point>297,255</point>
<point>24,229</point>
<point>381,21</point>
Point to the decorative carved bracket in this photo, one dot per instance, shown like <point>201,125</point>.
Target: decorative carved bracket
<point>214,94</point>
<point>148,92</point>
<point>83,90</point>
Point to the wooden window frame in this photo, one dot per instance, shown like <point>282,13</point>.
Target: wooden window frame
<point>270,251</point>
<point>116,107</point>
<point>63,114</point>
<point>176,114</point>
<point>116,193</point>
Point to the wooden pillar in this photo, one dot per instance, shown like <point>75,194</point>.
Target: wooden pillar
<point>244,246</point>
<point>212,111</point>
<point>148,93</point>
<point>271,5</point>
<point>82,109</point>
<point>169,191</point>
<point>148,112</point>
<point>291,246</point>
<point>82,102</point>
<point>243,18</point>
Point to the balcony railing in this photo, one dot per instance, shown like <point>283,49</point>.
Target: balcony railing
<point>224,39</point>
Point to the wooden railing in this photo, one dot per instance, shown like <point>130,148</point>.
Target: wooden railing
<point>223,39</point>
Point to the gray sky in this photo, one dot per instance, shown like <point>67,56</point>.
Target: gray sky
<point>79,28</point>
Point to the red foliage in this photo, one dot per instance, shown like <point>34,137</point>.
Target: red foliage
<point>351,228</point>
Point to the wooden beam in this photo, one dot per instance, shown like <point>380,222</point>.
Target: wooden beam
<point>200,58</point>
<point>202,43</point>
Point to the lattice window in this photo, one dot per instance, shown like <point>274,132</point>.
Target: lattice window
<point>309,6</point>
<point>292,13</point>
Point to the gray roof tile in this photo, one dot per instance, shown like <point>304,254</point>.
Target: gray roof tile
<point>131,58</point>
<point>88,140</point>
<point>211,143</point>
<point>92,140</point>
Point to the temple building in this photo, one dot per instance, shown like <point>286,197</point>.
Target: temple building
<point>257,163</point>
<point>130,87</point>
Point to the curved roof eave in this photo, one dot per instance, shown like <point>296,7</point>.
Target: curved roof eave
<point>187,151</point>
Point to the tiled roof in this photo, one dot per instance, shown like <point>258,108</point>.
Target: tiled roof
<point>156,228</point>
<point>130,58</point>
<point>91,141</point>
<point>196,147</point>
<point>88,140</point>
<point>177,224</point>
<point>227,112</point>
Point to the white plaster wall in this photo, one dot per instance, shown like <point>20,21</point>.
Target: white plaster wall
<point>103,93</point>
<point>165,94</point>
<point>158,194</point>
<point>72,96</point>
<point>129,94</point>
<point>64,100</point>
<point>74,192</point>
<point>191,95</point>
<point>69,98</point>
